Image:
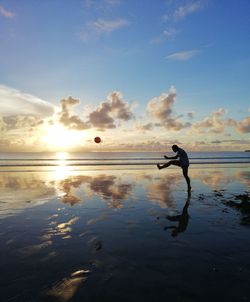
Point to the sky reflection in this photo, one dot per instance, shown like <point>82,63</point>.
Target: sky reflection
<point>22,190</point>
<point>124,226</point>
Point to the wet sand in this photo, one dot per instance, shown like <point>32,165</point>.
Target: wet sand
<point>125,234</point>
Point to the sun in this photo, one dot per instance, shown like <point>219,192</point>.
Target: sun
<point>58,137</point>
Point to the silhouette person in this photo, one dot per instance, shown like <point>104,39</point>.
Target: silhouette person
<point>182,162</point>
<point>183,219</point>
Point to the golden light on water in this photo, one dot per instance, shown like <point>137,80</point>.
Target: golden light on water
<point>62,158</point>
<point>62,168</point>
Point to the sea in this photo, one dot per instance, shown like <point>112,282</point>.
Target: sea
<point>49,160</point>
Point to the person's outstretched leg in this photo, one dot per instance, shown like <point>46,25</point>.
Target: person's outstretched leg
<point>163,166</point>
<point>171,162</point>
<point>185,174</point>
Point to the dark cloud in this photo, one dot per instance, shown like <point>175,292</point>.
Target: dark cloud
<point>105,115</point>
<point>19,121</point>
<point>145,127</point>
<point>216,142</point>
<point>233,141</point>
<point>67,119</point>
<point>244,125</point>
<point>161,109</point>
<point>215,123</point>
<point>100,118</point>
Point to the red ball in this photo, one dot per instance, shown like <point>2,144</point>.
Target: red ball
<point>97,139</point>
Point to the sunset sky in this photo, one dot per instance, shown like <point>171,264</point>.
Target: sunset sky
<point>141,74</point>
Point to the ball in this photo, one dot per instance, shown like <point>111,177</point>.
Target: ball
<point>97,139</point>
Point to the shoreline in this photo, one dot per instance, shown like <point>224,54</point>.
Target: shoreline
<point>118,166</point>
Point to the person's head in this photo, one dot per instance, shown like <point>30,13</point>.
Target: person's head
<point>175,148</point>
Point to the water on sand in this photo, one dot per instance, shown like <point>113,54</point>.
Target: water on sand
<point>125,234</point>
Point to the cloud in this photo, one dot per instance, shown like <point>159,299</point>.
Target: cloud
<point>101,4</point>
<point>190,115</point>
<point>71,121</point>
<point>232,141</point>
<point>216,142</point>
<point>114,108</point>
<point>108,26</point>
<point>183,55</point>
<point>4,144</point>
<point>113,2</point>
<point>20,110</point>
<point>215,123</point>
<point>189,8</point>
<point>179,9</point>
<point>161,109</point>
<point>244,125</point>
<point>166,34</point>
<point>14,102</point>
<point>19,122</point>
<point>5,13</point>
<point>17,141</point>
<point>100,27</point>
<point>103,117</point>
<point>145,127</point>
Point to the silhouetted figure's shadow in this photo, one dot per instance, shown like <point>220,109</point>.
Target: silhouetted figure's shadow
<point>182,219</point>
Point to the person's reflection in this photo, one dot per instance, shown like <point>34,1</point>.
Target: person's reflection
<point>182,219</point>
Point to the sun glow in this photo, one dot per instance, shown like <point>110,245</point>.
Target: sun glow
<point>58,137</point>
<point>62,155</point>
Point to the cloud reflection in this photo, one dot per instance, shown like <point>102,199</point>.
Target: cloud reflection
<point>65,227</point>
<point>22,190</point>
<point>30,250</point>
<point>160,190</point>
<point>107,187</point>
<point>216,179</point>
<point>65,289</point>
<point>244,177</point>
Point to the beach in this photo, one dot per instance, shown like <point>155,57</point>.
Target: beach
<point>124,151</point>
<point>125,233</point>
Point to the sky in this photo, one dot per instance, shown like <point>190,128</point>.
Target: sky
<point>140,74</point>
